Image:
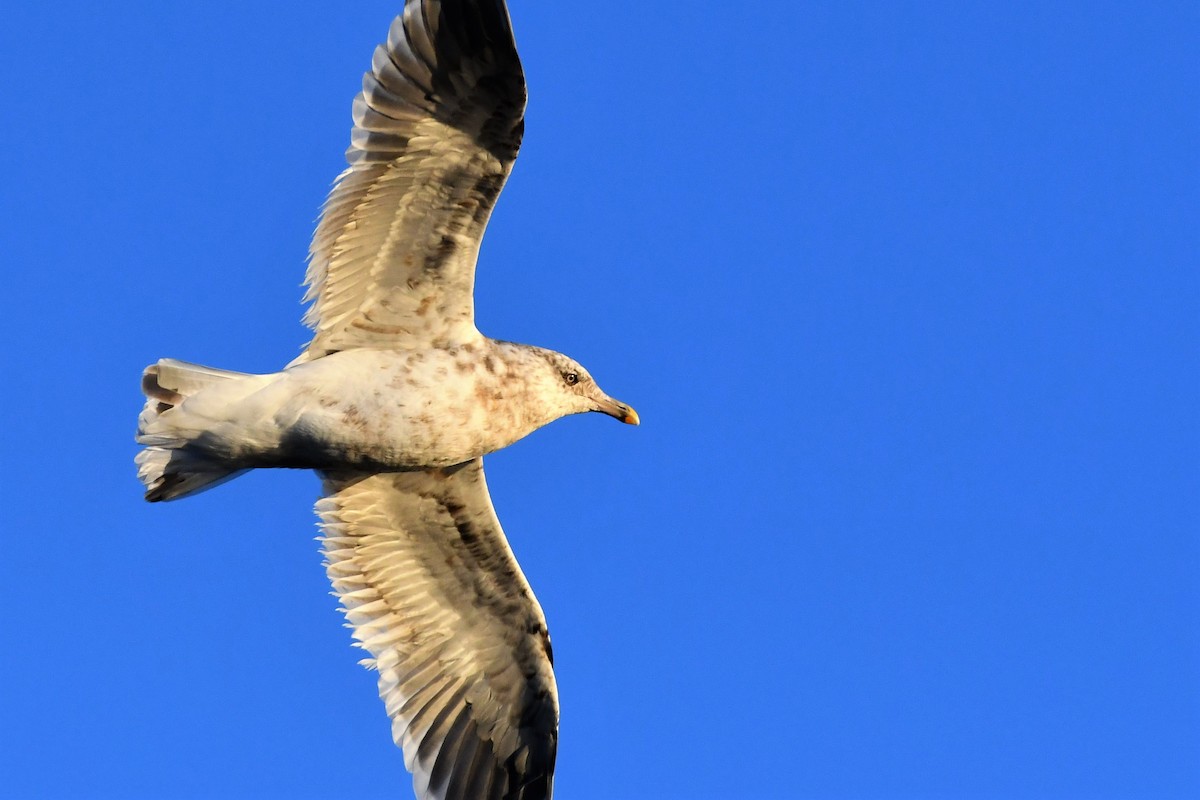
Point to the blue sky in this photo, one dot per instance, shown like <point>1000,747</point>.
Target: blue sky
<point>906,295</point>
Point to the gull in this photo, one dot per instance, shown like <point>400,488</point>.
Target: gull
<point>395,401</point>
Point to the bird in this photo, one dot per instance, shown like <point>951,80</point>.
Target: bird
<point>394,403</point>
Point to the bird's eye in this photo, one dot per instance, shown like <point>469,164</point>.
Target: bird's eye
<point>571,378</point>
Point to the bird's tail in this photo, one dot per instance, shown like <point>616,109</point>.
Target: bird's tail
<point>168,467</point>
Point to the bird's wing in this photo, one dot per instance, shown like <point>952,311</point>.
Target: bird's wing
<point>436,130</point>
<point>432,591</point>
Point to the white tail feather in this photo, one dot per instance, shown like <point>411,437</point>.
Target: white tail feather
<point>167,467</point>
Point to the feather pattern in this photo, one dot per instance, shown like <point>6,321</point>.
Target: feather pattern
<point>437,127</point>
<point>432,591</point>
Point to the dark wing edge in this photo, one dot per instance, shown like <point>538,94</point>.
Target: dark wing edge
<point>455,62</point>
<point>432,591</point>
<point>437,128</point>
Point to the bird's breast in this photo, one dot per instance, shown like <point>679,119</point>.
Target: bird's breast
<point>403,409</point>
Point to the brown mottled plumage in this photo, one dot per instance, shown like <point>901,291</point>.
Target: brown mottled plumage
<point>394,402</point>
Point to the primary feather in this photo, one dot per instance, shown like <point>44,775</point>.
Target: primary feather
<point>436,130</point>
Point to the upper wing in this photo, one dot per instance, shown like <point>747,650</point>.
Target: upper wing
<point>436,130</point>
<point>432,591</point>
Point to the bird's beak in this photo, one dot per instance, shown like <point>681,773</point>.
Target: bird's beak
<point>606,405</point>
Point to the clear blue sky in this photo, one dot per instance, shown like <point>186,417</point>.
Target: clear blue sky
<point>907,295</point>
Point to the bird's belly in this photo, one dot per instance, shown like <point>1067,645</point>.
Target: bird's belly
<point>384,410</point>
<point>384,437</point>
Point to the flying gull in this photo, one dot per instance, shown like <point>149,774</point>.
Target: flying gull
<point>396,400</point>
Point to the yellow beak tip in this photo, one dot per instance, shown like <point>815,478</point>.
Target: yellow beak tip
<point>631,418</point>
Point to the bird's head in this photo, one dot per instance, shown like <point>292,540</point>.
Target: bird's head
<point>577,390</point>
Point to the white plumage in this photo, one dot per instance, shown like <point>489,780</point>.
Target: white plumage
<point>395,401</point>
